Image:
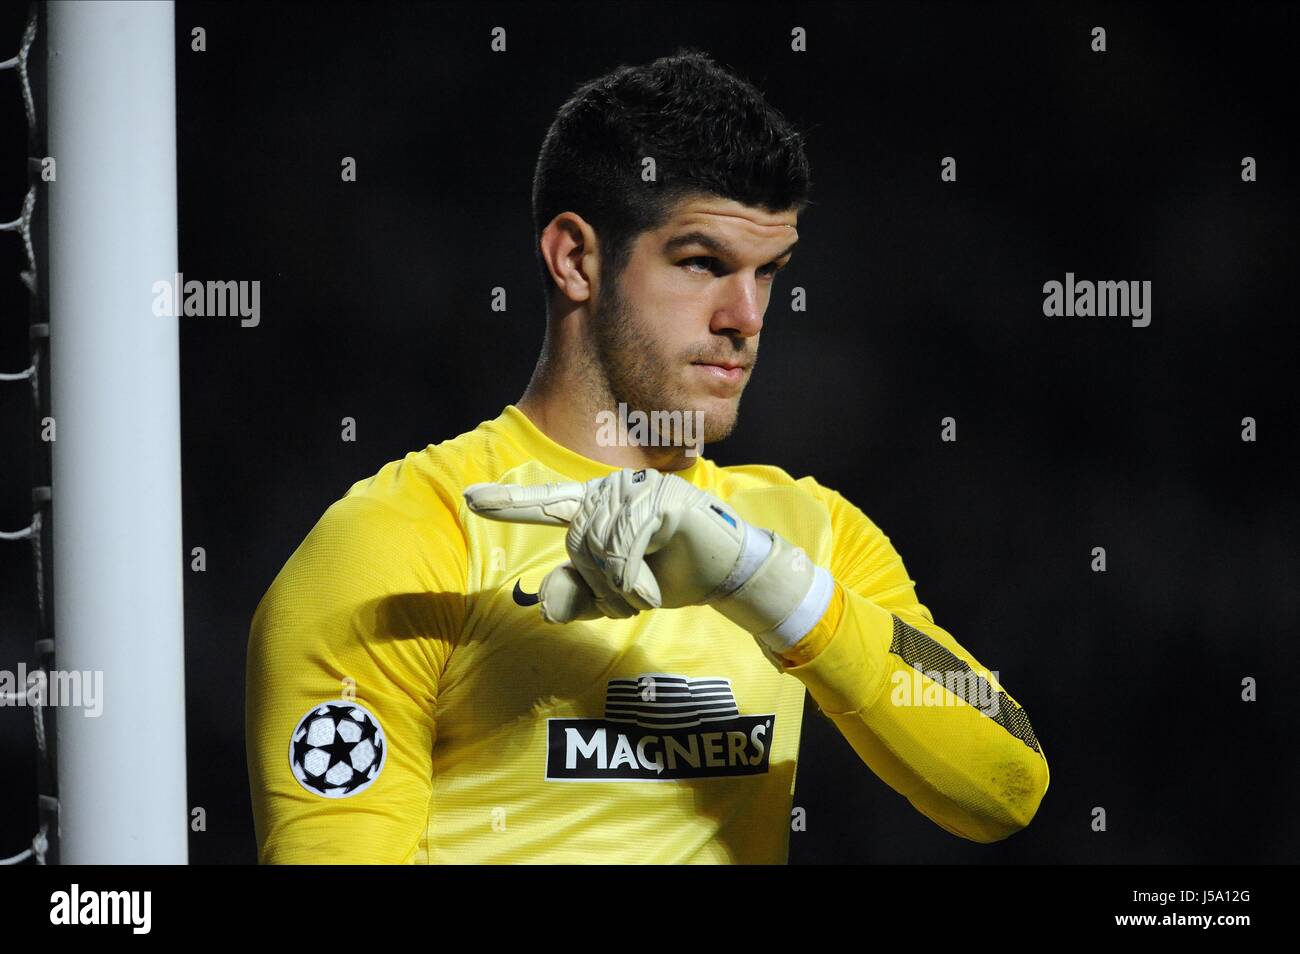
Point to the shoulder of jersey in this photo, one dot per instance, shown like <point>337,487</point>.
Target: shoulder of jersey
<point>743,477</point>
<point>746,476</point>
<point>432,479</point>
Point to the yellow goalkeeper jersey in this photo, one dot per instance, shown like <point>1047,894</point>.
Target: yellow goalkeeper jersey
<point>407,703</point>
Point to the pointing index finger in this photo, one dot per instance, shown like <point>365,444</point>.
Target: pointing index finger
<point>549,505</point>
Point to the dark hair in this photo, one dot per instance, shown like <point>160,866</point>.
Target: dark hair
<point>708,130</point>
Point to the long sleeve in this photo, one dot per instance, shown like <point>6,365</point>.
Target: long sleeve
<point>357,626</point>
<point>915,705</point>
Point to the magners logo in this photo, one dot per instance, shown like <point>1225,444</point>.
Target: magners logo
<point>660,726</point>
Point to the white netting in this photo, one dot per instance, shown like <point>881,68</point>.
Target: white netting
<point>29,696</point>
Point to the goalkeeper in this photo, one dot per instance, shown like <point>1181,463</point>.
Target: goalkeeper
<point>532,643</point>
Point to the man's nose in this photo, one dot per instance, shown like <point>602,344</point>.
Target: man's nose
<point>742,311</point>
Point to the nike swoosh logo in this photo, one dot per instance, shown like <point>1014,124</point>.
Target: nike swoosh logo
<point>524,599</point>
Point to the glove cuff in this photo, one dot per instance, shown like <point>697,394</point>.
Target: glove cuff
<point>806,615</point>
<point>783,598</point>
<point>755,547</point>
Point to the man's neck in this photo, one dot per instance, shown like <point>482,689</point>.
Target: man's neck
<point>570,419</point>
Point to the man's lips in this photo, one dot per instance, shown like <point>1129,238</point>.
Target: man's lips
<point>728,371</point>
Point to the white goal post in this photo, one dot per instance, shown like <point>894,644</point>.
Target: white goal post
<point>116,494</point>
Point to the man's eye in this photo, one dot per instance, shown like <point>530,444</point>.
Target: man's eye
<point>704,259</point>
<point>767,271</point>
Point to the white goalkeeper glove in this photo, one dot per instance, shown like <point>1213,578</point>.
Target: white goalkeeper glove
<point>640,540</point>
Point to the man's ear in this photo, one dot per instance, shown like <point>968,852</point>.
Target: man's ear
<point>568,246</point>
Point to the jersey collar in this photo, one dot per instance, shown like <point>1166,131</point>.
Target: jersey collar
<point>515,425</point>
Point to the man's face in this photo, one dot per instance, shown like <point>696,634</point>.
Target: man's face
<point>679,329</point>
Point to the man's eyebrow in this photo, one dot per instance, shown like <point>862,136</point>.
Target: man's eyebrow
<point>714,245</point>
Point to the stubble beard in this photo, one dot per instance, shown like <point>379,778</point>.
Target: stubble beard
<point>636,374</point>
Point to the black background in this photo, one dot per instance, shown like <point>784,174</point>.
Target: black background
<point>925,301</point>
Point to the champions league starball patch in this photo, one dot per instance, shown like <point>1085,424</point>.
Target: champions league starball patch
<point>338,749</point>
